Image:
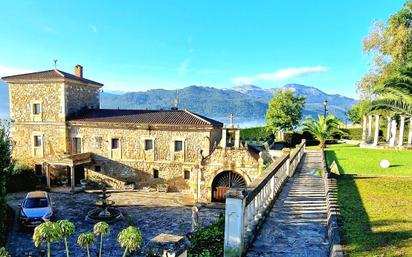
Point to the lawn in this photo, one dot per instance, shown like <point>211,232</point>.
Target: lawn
<point>352,159</point>
<point>375,203</point>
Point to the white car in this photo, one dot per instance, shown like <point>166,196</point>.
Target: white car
<point>35,209</point>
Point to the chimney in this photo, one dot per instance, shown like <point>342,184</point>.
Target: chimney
<point>78,71</point>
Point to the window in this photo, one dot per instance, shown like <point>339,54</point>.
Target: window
<point>178,146</point>
<point>37,141</point>
<point>97,142</point>
<point>115,143</point>
<point>155,173</point>
<point>38,168</point>
<point>97,168</point>
<point>36,109</point>
<point>77,145</point>
<point>186,174</point>
<point>148,144</point>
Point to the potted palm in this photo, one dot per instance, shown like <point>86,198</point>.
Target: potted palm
<point>100,229</point>
<point>45,233</point>
<point>65,229</point>
<point>130,239</point>
<point>85,240</point>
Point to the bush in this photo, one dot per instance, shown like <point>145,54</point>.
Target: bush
<point>257,133</point>
<point>292,139</point>
<point>22,178</point>
<point>208,241</point>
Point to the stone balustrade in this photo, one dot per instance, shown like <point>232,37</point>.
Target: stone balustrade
<point>246,209</point>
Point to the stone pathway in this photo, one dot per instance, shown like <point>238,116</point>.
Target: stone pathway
<point>296,226</point>
<point>153,213</point>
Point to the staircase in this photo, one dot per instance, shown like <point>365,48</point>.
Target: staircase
<point>296,225</point>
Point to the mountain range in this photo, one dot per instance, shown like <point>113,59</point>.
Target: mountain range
<point>247,103</point>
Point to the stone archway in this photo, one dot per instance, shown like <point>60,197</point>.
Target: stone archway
<point>223,181</point>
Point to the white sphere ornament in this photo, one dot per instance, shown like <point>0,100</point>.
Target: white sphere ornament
<point>385,164</point>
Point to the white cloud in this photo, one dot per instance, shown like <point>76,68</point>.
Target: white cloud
<point>7,71</point>
<point>93,28</point>
<point>281,74</point>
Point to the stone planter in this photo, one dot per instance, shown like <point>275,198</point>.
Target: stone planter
<point>162,188</point>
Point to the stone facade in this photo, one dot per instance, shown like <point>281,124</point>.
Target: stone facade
<point>44,133</point>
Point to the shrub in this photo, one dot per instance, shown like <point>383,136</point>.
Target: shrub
<point>22,178</point>
<point>208,241</point>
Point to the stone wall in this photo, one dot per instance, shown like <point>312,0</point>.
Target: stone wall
<point>79,96</point>
<point>54,142</point>
<point>49,95</point>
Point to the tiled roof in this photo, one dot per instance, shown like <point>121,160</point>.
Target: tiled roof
<point>154,117</point>
<point>49,74</point>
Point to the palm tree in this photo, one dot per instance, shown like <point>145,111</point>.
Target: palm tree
<point>86,239</point>
<point>323,129</point>
<point>130,239</point>
<point>100,229</point>
<point>45,233</point>
<point>395,93</point>
<point>65,228</point>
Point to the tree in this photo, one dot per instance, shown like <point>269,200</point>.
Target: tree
<point>46,232</point>
<point>85,240</point>
<point>5,168</point>
<point>323,129</point>
<point>100,229</point>
<point>390,44</point>
<point>284,111</point>
<point>130,239</point>
<point>395,94</point>
<point>65,229</point>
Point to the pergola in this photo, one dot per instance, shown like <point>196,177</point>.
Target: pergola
<point>392,137</point>
<point>70,161</point>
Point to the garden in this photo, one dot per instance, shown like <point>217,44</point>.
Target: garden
<point>375,203</point>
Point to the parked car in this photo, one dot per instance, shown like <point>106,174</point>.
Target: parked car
<point>36,208</point>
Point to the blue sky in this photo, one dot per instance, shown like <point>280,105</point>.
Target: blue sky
<point>138,45</point>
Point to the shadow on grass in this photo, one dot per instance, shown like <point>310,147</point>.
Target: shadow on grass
<point>355,226</point>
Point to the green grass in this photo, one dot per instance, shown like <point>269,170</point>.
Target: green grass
<point>375,203</point>
<point>352,159</point>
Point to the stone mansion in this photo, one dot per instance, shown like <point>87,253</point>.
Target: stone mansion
<point>58,128</point>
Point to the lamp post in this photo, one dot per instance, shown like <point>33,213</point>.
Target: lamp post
<point>325,108</point>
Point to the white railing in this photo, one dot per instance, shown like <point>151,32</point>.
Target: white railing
<point>246,209</point>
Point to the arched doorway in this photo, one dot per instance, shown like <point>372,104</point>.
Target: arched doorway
<point>223,181</point>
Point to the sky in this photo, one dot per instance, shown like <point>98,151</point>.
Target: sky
<point>140,45</point>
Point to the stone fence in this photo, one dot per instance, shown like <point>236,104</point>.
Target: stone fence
<point>335,248</point>
<point>246,209</point>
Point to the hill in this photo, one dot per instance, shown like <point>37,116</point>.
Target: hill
<point>248,102</point>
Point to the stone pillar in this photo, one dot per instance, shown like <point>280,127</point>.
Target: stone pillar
<point>401,130</point>
<point>393,133</point>
<point>388,128</point>
<point>234,223</point>
<point>369,127</point>
<point>72,179</point>
<point>376,138</point>
<point>289,172</point>
<point>166,245</point>
<point>223,140</point>
<point>237,138</point>
<point>47,175</point>
<point>410,131</point>
<point>364,130</point>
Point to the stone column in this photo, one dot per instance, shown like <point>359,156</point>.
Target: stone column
<point>72,180</point>
<point>364,130</point>
<point>237,138</point>
<point>393,133</point>
<point>47,175</point>
<point>376,138</point>
<point>388,129</point>
<point>401,130</point>
<point>234,223</point>
<point>410,131</point>
<point>223,140</point>
<point>369,127</point>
